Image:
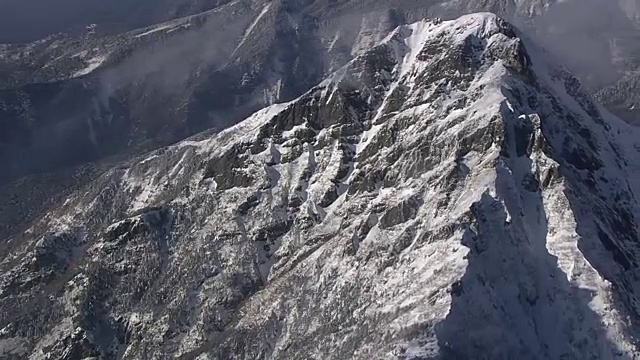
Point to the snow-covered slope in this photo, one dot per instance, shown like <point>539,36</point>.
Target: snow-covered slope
<point>447,194</point>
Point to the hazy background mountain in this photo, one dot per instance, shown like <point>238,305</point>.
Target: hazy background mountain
<point>30,20</point>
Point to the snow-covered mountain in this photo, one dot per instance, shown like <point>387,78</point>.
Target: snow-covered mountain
<point>449,193</point>
<point>77,98</point>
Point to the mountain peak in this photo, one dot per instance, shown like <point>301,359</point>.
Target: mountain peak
<point>476,38</point>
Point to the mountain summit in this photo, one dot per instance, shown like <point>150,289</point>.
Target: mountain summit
<point>449,193</point>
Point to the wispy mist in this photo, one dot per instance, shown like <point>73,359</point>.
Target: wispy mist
<point>590,36</point>
<point>168,64</point>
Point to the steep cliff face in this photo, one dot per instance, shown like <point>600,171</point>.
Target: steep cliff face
<point>449,193</point>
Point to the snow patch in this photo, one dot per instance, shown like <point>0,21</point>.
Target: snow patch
<point>92,65</point>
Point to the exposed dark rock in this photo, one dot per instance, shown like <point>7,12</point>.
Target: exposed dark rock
<point>401,212</point>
